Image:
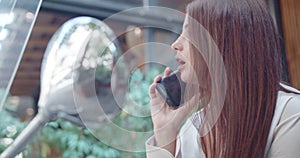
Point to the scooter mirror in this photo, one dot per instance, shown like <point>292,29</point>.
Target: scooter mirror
<point>83,79</point>
<point>81,73</point>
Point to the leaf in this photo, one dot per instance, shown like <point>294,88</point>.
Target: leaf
<point>83,146</point>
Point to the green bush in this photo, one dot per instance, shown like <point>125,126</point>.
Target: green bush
<point>64,139</point>
<point>10,126</point>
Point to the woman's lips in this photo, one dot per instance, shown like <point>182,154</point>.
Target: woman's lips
<point>181,63</point>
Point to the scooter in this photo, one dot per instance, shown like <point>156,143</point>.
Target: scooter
<point>82,79</point>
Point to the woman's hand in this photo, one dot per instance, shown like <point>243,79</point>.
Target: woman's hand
<point>166,121</point>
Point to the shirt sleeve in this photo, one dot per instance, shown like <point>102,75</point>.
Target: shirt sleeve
<point>187,145</point>
<point>153,151</point>
<point>286,140</point>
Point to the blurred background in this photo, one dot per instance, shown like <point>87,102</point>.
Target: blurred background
<point>63,139</point>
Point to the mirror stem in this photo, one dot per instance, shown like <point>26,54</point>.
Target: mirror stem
<point>27,134</point>
<point>73,119</point>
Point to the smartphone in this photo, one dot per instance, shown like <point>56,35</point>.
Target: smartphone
<point>172,88</point>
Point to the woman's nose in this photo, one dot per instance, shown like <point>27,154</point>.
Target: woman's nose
<point>177,45</point>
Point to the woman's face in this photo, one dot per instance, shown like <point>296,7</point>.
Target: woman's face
<point>183,56</point>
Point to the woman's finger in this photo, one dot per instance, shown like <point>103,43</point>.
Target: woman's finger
<point>167,72</point>
<point>152,87</point>
<point>157,104</point>
<point>157,79</point>
<point>152,92</point>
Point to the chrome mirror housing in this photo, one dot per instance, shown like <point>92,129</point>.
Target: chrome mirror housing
<point>83,79</point>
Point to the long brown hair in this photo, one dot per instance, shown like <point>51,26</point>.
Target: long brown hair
<point>248,42</point>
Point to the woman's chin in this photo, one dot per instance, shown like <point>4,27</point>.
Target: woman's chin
<point>184,76</point>
<point>187,77</point>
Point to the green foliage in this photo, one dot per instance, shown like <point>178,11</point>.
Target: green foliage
<point>73,141</point>
<point>10,127</point>
<point>137,102</point>
<point>69,140</point>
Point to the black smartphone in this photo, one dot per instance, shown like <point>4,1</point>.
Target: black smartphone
<point>172,89</point>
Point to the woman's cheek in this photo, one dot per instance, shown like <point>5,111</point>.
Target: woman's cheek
<point>186,75</point>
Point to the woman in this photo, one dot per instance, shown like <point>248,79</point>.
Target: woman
<point>245,110</point>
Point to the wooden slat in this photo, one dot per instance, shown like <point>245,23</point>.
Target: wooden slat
<point>47,18</point>
<point>30,64</point>
<point>28,74</point>
<point>48,28</point>
<point>41,35</point>
<point>21,90</point>
<point>290,10</point>
<point>35,55</point>
<point>29,68</point>
<point>37,42</point>
<point>23,82</point>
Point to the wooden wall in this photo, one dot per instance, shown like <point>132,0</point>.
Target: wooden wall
<point>28,74</point>
<point>290,12</point>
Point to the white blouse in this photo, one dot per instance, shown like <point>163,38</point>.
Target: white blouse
<point>283,140</point>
